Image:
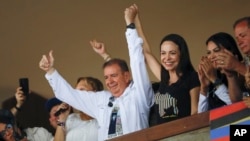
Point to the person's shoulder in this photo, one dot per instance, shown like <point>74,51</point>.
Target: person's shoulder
<point>36,129</point>
<point>73,117</point>
<point>73,120</point>
<point>36,132</point>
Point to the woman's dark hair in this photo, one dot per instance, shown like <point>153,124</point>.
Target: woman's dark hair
<point>225,40</point>
<point>184,65</point>
<point>222,39</point>
<point>6,117</point>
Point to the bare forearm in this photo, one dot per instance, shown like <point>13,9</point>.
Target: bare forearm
<point>234,89</point>
<point>151,60</point>
<point>203,90</point>
<point>60,134</point>
<point>194,93</point>
<point>139,27</point>
<point>241,68</point>
<point>14,110</point>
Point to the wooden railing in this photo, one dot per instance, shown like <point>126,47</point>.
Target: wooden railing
<point>169,129</point>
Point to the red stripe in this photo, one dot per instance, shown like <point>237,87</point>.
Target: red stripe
<point>225,138</point>
<point>226,110</point>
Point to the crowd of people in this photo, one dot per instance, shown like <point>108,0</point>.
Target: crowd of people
<point>132,102</point>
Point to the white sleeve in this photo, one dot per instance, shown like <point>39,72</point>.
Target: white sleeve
<point>203,103</point>
<point>138,68</point>
<point>223,94</point>
<point>38,134</point>
<point>86,101</point>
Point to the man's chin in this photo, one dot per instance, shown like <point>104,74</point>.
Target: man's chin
<point>245,50</point>
<point>115,93</point>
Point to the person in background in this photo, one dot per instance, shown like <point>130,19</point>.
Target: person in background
<point>13,130</point>
<point>20,99</point>
<point>128,97</point>
<point>99,48</point>
<point>9,131</point>
<point>53,105</point>
<point>242,34</point>
<point>219,87</point>
<point>78,125</point>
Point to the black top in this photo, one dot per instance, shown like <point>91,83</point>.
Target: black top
<point>173,101</point>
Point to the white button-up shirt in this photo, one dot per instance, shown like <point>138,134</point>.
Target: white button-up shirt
<point>134,103</point>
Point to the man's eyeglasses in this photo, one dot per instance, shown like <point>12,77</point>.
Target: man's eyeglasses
<point>2,133</point>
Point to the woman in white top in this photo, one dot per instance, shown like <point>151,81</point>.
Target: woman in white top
<point>78,125</point>
<point>219,87</point>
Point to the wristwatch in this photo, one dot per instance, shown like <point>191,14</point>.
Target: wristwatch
<point>132,26</point>
<point>59,123</point>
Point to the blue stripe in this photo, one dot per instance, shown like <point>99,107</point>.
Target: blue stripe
<point>219,132</point>
<point>225,130</point>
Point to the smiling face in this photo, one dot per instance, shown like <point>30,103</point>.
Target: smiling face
<point>116,80</point>
<point>212,49</point>
<point>170,55</point>
<point>242,35</point>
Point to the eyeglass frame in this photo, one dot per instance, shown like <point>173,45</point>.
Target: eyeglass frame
<point>3,132</point>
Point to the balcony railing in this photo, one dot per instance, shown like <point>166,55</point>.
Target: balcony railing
<point>170,129</point>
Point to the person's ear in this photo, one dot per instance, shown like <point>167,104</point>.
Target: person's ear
<point>127,76</point>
